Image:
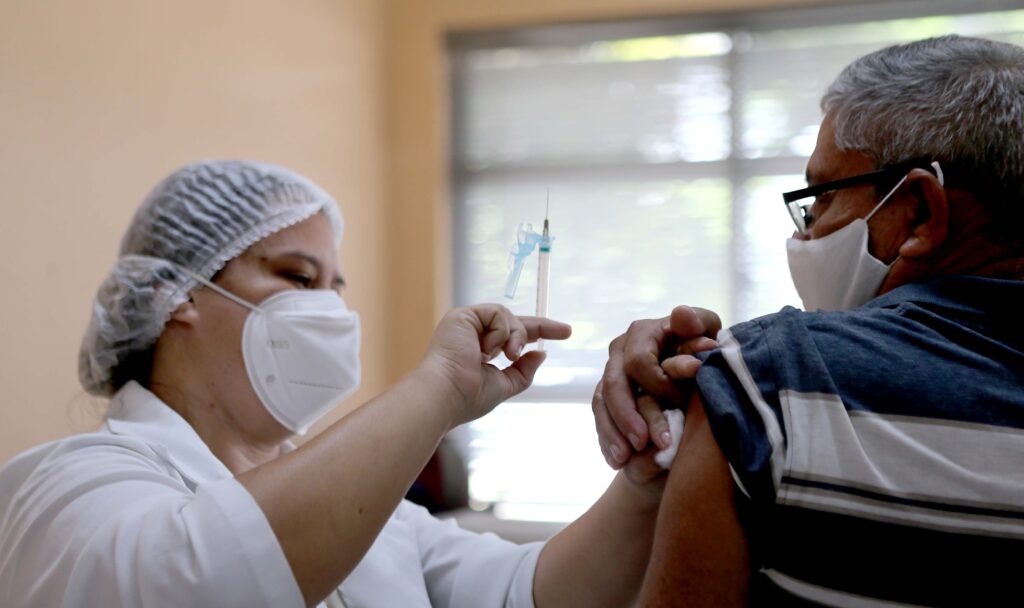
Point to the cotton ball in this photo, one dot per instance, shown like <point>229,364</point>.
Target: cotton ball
<point>675,419</point>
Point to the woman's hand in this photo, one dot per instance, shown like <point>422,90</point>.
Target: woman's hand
<point>468,338</point>
<point>649,358</point>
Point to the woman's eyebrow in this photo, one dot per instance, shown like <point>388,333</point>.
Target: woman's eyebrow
<point>336,281</point>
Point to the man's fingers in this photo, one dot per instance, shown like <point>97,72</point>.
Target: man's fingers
<point>657,424</point>
<point>645,370</point>
<point>696,345</point>
<point>618,399</point>
<point>690,322</point>
<point>681,367</point>
<point>613,445</point>
<point>642,358</point>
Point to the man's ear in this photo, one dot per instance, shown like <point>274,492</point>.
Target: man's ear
<point>185,313</point>
<point>932,222</point>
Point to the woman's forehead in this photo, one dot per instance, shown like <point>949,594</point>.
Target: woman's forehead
<point>308,242</point>
<point>313,235</point>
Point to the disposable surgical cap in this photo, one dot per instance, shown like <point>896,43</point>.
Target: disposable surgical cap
<point>195,221</point>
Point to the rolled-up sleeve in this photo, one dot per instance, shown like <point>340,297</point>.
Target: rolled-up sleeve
<point>466,569</point>
<point>108,526</point>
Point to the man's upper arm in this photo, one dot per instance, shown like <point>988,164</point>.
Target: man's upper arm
<point>700,555</point>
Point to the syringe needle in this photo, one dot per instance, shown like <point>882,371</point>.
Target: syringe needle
<point>543,265</point>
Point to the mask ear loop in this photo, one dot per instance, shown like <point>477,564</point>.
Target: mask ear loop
<point>224,292</point>
<point>942,182</point>
<point>886,198</point>
<point>938,174</point>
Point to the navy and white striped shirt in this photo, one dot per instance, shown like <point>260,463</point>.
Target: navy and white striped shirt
<point>879,451</point>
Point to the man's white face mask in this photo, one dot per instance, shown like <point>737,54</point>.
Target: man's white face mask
<point>301,352</point>
<point>837,272</point>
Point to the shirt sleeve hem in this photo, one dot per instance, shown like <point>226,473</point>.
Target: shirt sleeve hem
<point>521,590</point>
<point>259,545</point>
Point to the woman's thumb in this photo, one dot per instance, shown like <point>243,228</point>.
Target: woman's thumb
<point>520,374</point>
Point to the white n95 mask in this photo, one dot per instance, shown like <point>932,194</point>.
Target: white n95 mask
<point>837,272</point>
<point>301,352</point>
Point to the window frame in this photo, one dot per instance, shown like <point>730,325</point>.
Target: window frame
<point>735,168</point>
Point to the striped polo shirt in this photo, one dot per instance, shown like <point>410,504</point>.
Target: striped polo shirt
<point>879,452</point>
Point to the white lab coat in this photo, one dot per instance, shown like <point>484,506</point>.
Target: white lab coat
<point>141,513</point>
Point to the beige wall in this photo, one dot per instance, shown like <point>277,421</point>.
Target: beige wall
<point>100,99</point>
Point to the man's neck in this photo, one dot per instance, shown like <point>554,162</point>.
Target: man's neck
<point>970,251</point>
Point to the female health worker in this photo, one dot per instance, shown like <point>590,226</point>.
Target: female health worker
<point>218,335</point>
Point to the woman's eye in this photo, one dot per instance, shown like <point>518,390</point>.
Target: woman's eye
<point>300,279</point>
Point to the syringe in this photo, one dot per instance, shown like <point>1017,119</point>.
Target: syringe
<point>543,269</point>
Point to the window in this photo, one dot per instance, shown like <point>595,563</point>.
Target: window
<point>665,146</point>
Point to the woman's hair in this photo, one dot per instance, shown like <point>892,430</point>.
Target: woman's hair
<point>954,99</point>
<point>194,222</point>
<point>137,366</point>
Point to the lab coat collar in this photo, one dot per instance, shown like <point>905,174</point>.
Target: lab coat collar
<point>138,413</point>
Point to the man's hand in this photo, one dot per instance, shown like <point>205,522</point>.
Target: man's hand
<point>649,359</point>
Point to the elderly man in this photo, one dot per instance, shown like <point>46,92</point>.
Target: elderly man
<point>871,449</point>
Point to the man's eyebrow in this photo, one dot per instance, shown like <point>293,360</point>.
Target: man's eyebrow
<point>810,177</point>
<point>818,176</point>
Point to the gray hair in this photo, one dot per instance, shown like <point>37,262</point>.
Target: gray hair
<point>954,99</point>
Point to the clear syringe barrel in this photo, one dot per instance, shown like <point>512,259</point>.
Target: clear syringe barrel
<point>543,280</point>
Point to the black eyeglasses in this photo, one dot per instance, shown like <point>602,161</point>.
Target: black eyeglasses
<point>797,204</point>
